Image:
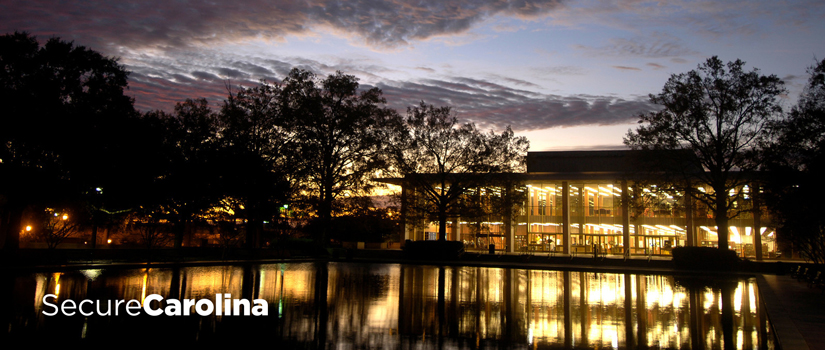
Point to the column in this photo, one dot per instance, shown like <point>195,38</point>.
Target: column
<point>625,219</point>
<point>404,210</point>
<point>565,217</point>
<point>757,223</point>
<point>690,228</point>
<point>509,228</point>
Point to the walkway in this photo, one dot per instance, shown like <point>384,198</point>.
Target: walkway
<point>796,311</point>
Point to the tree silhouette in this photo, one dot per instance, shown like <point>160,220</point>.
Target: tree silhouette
<point>795,158</point>
<point>713,118</point>
<point>441,160</point>
<point>258,154</point>
<point>63,125</point>
<point>339,132</point>
<point>57,227</point>
<point>192,172</point>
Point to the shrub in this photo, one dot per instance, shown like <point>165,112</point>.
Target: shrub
<point>704,258</point>
<point>433,250</point>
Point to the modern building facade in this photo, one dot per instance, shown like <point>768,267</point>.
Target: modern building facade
<point>579,201</point>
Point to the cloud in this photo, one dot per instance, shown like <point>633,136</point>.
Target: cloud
<point>518,82</point>
<point>559,70</point>
<point>626,68</point>
<point>175,24</point>
<point>654,46</point>
<point>205,76</point>
<point>490,105</point>
<point>655,65</point>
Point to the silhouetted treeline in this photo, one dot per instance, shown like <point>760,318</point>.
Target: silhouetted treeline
<point>293,157</point>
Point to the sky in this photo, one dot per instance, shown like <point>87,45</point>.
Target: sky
<point>565,74</point>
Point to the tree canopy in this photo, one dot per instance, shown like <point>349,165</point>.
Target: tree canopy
<point>64,128</point>
<point>340,139</point>
<point>714,117</point>
<point>795,157</point>
<point>442,159</point>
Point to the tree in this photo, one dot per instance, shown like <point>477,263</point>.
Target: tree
<point>56,228</point>
<point>795,158</point>
<point>442,160</point>
<point>191,174</point>
<point>259,154</point>
<point>339,132</point>
<point>713,118</point>
<point>62,129</point>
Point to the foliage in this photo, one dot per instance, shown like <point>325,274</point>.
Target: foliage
<point>64,125</point>
<point>190,181</point>
<point>340,142</point>
<point>712,120</point>
<point>441,160</point>
<point>795,158</point>
<point>258,154</point>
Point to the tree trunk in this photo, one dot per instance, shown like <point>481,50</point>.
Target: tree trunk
<point>721,217</point>
<point>442,223</point>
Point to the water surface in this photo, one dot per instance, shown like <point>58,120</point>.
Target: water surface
<point>397,306</point>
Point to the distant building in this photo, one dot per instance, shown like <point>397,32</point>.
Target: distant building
<point>575,201</point>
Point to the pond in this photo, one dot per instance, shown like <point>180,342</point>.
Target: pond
<point>398,306</point>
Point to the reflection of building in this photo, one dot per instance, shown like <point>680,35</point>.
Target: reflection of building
<point>573,202</point>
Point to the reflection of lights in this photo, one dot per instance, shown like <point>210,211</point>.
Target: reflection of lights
<point>752,298</point>
<point>737,299</point>
<point>91,275</point>
<point>57,284</point>
<point>143,288</point>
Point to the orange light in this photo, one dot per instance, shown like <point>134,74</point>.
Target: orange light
<point>65,216</point>
<point>28,228</point>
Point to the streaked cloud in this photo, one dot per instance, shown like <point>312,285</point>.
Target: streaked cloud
<point>160,23</point>
<point>626,68</point>
<point>653,46</point>
<point>532,64</point>
<point>490,105</point>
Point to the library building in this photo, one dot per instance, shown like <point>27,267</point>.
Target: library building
<point>578,202</point>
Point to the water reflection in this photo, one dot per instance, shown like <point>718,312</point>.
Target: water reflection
<point>322,305</point>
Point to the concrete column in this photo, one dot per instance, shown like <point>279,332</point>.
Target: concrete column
<point>625,219</point>
<point>565,217</point>
<point>757,222</point>
<point>404,211</point>
<point>690,227</point>
<point>509,227</point>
